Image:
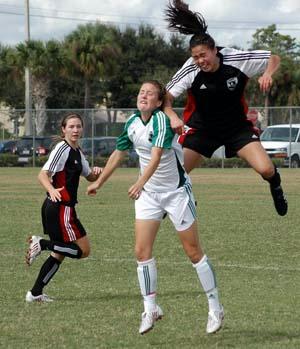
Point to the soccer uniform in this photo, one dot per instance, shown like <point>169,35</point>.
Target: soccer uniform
<point>65,165</point>
<point>169,188</point>
<point>216,111</point>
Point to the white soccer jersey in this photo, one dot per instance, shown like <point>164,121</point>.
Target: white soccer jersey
<point>157,132</point>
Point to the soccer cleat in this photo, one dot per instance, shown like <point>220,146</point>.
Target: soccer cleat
<point>40,298</point>
<point>148,320</point>
<point>215,320</point>
<point>280,201</point>
<point>34,248</point>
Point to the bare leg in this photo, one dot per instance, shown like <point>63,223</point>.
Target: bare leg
<point>192,159</point>
<point>258,159</point>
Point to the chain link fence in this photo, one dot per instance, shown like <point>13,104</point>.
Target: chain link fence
<point>103,122</point>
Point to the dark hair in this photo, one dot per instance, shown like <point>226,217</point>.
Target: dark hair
<point>161,89</point>
<point>186,22</point>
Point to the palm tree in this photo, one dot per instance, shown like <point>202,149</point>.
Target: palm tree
<point>45,60</point>
<point>91,51</point>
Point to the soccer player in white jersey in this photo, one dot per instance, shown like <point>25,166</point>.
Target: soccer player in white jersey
<point>216,111</point>
<point>60,178</point>
<point>163,187</point>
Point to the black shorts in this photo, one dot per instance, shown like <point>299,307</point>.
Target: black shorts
<point>60,222</point>
<point>206,143</point>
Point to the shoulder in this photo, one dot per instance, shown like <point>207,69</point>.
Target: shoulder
<point>161,118</point>
<point>231,54</point>
<point>61,147</point>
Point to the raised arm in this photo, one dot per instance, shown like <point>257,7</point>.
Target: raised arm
<point>113,162</point>
<point>265,81</point>
<point>176,123</point>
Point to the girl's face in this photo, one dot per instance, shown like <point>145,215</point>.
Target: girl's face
<point>147,99</point>
<point>73,130</point>
<point>205,58</point>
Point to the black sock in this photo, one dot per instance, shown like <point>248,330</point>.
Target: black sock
<point>69,249</point>
<point>48,270</point>
<point>275,180</point>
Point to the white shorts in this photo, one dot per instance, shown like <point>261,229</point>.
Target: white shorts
<point>178,204</point>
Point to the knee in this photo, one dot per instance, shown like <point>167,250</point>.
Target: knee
<point>85,252</point>
<point>267,171</point>
<point>142,254</point>
<point>194,253</point>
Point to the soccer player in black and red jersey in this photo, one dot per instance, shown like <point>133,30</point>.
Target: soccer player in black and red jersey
<point>216,112</point>
<point>60,177</point>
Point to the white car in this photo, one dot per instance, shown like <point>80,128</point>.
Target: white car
<point>283,142</point>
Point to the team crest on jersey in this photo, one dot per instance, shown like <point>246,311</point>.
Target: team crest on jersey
<point>232,83</point>
<point>150,136</point>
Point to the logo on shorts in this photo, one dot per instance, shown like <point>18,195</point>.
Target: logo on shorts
<point>232,83</point>
<point>75,162</point>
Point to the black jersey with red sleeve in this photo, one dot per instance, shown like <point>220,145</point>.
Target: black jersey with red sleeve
<point>65,166</point>
<point>216,99</point>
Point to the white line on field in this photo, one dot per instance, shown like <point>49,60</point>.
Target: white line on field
<point>218,265</point>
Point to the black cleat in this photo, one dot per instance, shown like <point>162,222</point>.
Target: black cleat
<point>280,201</point>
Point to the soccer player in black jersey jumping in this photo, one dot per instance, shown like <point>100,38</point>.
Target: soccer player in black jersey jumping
<point>216,112</point>
<point>60,177</point>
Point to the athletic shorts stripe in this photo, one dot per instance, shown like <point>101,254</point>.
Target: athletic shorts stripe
<point>69,224</point>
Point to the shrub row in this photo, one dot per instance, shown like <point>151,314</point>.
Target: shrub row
<point>9,160</point>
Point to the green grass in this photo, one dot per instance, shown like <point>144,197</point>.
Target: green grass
<point>254,251</point>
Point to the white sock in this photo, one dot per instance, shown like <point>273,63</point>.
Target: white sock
<point>147,275</point>
<point>207,279</point>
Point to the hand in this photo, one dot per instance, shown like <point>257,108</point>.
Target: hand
<point>134,191</point>
<point>54,194</point>
<point>265,82</point>
<point>96,171</point>
<point>92,189</point>
<point>177,125</point>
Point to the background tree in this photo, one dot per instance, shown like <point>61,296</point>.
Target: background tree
<point>12,87</point>
<point>91,51</point>
<point>145,55</point>
<point>285,80</point>
<point>45,60</point>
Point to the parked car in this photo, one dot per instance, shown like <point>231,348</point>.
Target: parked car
<point>283,142</point>
<point>8,146</point>
<point>103,146</point>
<point>24,147</point>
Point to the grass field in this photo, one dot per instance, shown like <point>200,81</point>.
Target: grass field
<point>97,302</point>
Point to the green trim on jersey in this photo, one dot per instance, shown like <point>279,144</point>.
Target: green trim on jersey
<point>162,132</point>
<point>123,141</point>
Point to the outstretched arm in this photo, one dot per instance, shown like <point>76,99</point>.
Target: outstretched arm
<point>113,162</point>
<point>94,175</point>
<point>135,190</point>
<point>176,123</point>
<point>265,81</point>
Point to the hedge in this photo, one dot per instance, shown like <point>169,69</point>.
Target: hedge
<point>9,160</point>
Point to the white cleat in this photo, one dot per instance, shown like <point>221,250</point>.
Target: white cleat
<point>40,298</point>
<point>148,320</point>
<point>34,248</point>
<point>215,320</point>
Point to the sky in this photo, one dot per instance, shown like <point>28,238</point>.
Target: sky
<point>230,22</point>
